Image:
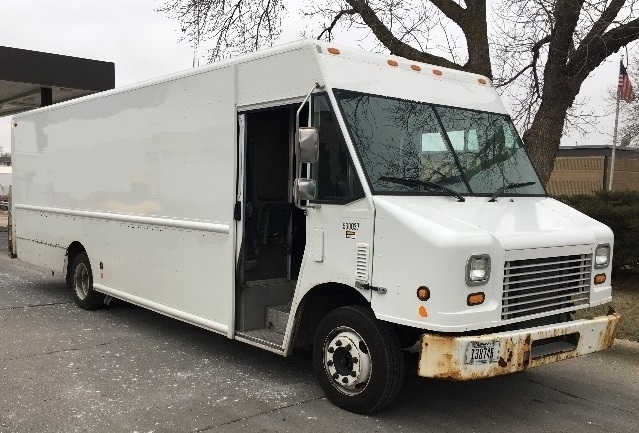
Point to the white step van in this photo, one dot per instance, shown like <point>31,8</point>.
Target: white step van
<point>314,194</point>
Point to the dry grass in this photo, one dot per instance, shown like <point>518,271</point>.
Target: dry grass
<point>625,299</point>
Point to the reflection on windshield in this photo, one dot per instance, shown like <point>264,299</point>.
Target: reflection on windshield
<point>464,150</point>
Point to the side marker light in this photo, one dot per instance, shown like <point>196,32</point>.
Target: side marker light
<point>422,311</point>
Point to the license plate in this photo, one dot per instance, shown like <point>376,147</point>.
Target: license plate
<point>482,353</point>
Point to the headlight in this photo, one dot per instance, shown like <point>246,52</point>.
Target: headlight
<point>477,269</point>
<point>602,256</point>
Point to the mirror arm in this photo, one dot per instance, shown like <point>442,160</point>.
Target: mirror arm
<point>298,165</point>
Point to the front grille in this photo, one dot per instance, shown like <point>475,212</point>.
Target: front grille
<point>544,285</point>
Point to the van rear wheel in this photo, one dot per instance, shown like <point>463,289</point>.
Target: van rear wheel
<point>81,284</point>
<point>358,360</point>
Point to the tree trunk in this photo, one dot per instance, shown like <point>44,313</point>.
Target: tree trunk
<point>475,30</point>
<point>542,139</point>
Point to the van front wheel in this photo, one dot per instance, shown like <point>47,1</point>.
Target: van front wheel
<point>358,360</point>
<point>81,284</point>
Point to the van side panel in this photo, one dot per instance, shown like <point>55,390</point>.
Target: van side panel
<point>145,180</point>
<point>277,79</point>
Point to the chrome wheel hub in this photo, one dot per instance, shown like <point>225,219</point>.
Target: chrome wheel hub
<point>81,280</point>
<point>347,360</point>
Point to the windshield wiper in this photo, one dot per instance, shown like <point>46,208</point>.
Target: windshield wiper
<point>413,182</point>
<point>510,186</point>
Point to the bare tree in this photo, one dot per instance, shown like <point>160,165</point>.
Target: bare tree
<point>555,46</point>
<point>543,50</point>
<point>233,27</point>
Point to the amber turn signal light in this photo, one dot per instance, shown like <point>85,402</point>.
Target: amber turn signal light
<point>422,311</point>
<point>423,293</point>
<point>600,278</point>
<point>475,299</point>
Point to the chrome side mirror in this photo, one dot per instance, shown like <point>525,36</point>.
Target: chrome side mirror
<point>305,189</point>
<point>308,145</point>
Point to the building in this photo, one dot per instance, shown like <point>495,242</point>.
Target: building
<point>5,181</point>
<point>586,169</point>
<point>31,79</point>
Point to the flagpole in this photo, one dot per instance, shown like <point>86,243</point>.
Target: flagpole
<point>614,140</point>
<point>614,146</point>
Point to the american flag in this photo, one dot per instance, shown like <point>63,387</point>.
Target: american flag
<point>624,89</point>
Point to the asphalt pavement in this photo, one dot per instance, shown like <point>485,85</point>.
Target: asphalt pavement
<point>126,369</point>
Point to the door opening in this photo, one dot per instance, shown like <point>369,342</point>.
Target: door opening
<point>273,228</point>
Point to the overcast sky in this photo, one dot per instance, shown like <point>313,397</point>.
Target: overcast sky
<point>144,44</point>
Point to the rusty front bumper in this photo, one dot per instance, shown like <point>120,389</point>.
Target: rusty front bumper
<point>446,357</point>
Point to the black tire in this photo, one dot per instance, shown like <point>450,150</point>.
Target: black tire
<point>358,360</point>
<point>80,282</point>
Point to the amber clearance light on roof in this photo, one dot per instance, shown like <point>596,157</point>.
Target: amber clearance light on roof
<point>415,68</point>
<point>333,50</point>
<point>437,72</point>
<point>393,63</point>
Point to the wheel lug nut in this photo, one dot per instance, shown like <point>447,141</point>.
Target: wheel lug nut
<point>353,373</point>
<point>345,380</point>
<point>349,347</point>
<point>338,343</point>
<point>329,363</point>
<point>354,360</point>
<point>331,350</point>
<point>335,376</point>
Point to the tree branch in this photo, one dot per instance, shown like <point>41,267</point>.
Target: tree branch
<point>535,49</point>
<point>394,45</point>
<point>588,57</point>
<point>452,10</point>
<point>329,30</point>
<point>514,77</point>
<point>604,21</point>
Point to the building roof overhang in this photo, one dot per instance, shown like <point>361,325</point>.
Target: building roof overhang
<point>31,79</point>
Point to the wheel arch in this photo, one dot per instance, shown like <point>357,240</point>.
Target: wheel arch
<point>73,250</point>
<point>323,298</point>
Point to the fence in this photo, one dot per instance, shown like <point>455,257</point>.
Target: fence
<point>587,175</point>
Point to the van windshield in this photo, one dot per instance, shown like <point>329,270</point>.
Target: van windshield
<point>470,152</point>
